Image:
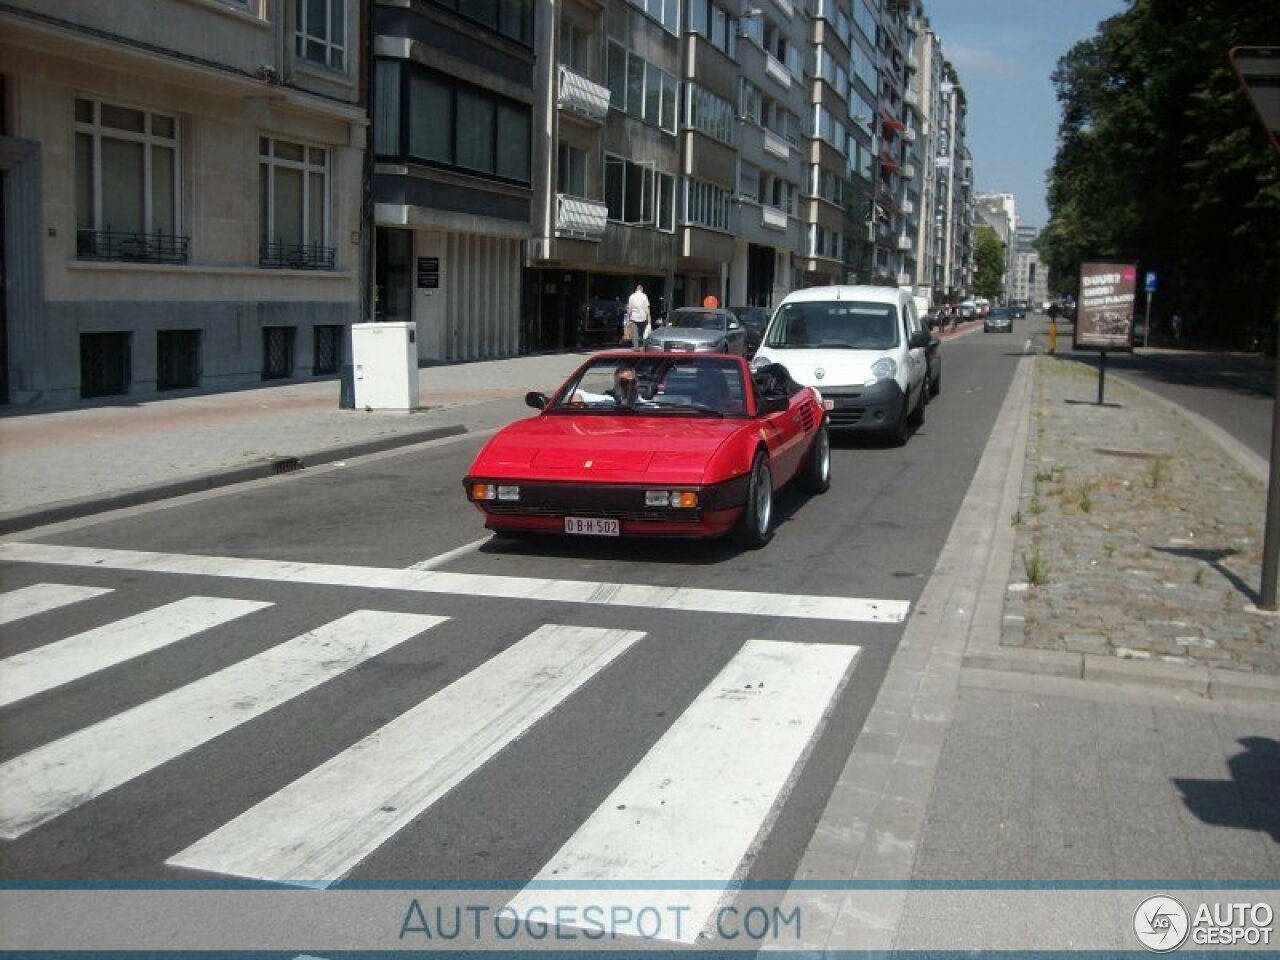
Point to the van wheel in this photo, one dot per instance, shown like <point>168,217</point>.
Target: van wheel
<point>898,436</point>
<point>755,528</point>
<point>917,415</point>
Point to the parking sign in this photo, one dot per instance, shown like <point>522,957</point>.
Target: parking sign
<point>1151,281</point>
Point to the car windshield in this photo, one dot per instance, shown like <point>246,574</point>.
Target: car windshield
<point>753,318</point>
<point>695,320</point>
<point>658,385</point>
<point>842,324</point>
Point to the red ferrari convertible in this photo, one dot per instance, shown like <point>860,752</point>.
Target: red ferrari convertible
<point>655,444</point>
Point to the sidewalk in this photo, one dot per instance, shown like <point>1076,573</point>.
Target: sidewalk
<point>1082,693</point>
<point>67,463</point>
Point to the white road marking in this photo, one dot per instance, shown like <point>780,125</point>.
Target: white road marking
<point>39,597</point>
<point>46,782</point>
<point>26,674</point>
<point>441,559</point>
<point>321,825</point>
<point>807,606</point>
<point>700,802</point>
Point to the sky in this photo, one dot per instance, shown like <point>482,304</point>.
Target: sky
<point>1004,52</point>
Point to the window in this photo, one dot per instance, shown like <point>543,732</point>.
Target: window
<point>105,368</point>
<point>177,359</point>
<point>453,124</point>
<point>706,205</point>
<point>126,184</point>
<point>571,171</point>
<point>321,32</point>
<point>643,90</point>
<point>277,352</point>
<point>712,22</point>
<point>711,115</point>
<point>574,47</point>
<point>636,193</point>
<point>327,348</point>
<point>827,127</point>
<point>666,12</point>
<point>751,103</point>
<point>511,18</point>
<point>293,205</point>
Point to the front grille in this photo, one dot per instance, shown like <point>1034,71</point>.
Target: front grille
<point>670,516</point>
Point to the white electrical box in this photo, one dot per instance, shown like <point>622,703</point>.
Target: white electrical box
<point>384,359</point>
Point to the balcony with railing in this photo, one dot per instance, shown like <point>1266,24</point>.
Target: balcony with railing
<point>131,247</point>
<point>909,171</point>
<point>777,70</point>
<point>904,243</point>
<point>773,217</point>
<point>776,145</point>
<point>582,97</point>
<point>279,255</point>
<point>580,218</point>
<point>909,134</point>
<point>911,98</point>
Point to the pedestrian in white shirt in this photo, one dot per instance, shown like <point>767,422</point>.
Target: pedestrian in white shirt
<point>638,314</point>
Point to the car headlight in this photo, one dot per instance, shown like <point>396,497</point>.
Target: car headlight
<point>493,491</point>
<point>677,499</point>
<point>886,368</point>
<point>759,362</point>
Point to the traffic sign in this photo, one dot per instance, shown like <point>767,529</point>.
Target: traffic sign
<point>1151,281</point>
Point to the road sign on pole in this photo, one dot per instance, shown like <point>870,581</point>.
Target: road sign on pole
<point>1258,70</point>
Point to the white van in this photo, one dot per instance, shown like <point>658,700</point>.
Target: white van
<point>862,347</point>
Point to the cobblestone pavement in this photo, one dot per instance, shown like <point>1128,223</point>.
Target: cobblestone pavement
<point>1136,536</point>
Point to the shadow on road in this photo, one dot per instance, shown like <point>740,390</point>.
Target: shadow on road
<point>1248,800</point>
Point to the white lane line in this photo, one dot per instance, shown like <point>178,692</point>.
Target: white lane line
<point>439,560</point>
<point>50,780</point>
<point>26,674</point>
<point>40,597</point>
<point>850,609</point>
<point>701,801</point>
<point>317,828</point>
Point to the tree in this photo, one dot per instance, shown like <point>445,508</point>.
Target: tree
<point>1161,161</point>
<point>988,263</point>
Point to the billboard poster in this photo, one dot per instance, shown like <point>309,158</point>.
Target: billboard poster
<point>1104,314</point>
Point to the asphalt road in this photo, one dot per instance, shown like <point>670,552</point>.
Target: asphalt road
<point>309,550</point>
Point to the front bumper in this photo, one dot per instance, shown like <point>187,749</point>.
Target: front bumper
<point>543,506</point>
<point>871,409</point>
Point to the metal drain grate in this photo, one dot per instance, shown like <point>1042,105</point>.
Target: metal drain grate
<point>286,465</point>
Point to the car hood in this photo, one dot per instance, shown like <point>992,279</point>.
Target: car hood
<point>827,368</point>
<point>611,449</point>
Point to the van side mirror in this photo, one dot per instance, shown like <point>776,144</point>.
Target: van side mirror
<point>919,339</point>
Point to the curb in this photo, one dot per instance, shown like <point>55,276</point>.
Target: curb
<point>79,507</point>
<point>984,650</point>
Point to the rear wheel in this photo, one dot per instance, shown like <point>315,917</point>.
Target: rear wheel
<point>756,526</point>
<point>815,476</point>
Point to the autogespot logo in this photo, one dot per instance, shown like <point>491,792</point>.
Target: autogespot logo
<point>1161,924</point>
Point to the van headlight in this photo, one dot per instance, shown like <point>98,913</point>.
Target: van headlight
<point>886,368</point>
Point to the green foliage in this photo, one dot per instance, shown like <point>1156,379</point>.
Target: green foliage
<point>988,263</point>
<point>1162,161</point>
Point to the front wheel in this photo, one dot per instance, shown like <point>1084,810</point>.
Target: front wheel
<point>755,528</point>
<point>815,476</point>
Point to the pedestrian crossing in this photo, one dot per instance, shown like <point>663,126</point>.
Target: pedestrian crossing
<point>696,807</point>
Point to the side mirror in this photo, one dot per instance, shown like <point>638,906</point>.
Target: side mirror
<point>535,399</point>
<point>919,339</point>
<point>775,404</point>
<point>734,325</point>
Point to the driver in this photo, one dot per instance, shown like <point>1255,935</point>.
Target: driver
<point>712,391</point>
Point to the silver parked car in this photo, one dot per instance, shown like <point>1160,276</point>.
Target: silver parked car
<point>699,330</point>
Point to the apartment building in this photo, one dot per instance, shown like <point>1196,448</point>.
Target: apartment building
<point>181,196</point>
<point>999,212</point>
<point>1028,278</point>
<point>453,180</point>
<point>954,191</point>
<point>926,84</point>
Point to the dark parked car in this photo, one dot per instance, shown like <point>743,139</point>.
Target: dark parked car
<point>753,320</point>
<point>999,319</point>
<point>933,356</point>
<point>1018,309</point>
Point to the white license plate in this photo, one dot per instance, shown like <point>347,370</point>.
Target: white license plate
<point>592,527</point>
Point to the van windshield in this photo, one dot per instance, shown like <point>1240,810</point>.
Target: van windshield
<point>845,324</point>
